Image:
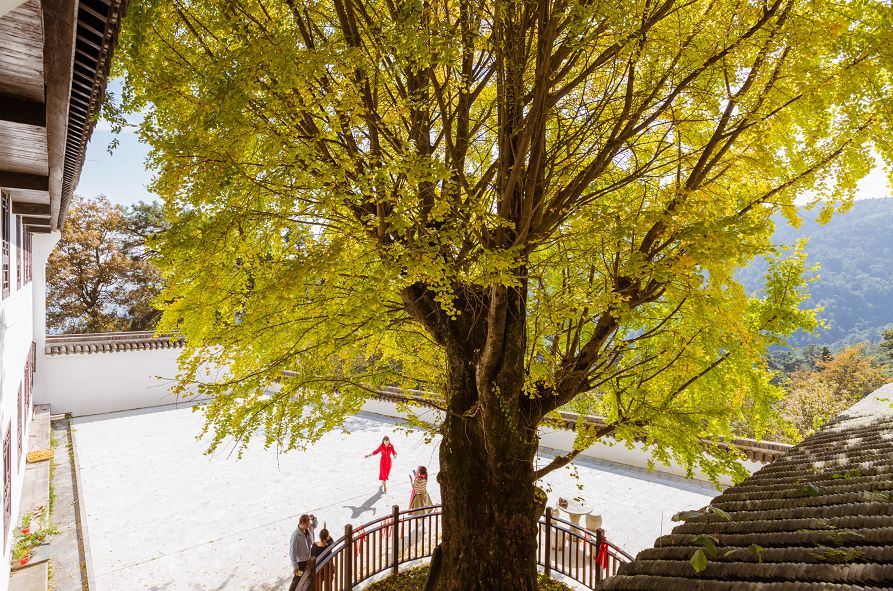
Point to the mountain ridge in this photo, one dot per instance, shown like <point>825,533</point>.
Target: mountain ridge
<point>855,285</point>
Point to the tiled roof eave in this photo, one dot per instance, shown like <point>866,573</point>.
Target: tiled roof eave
<point>821,518</point>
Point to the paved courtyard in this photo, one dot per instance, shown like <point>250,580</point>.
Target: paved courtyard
<point>161,515</point>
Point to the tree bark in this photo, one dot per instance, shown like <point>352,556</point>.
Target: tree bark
<point>489,500</point>
<point>489,516</point>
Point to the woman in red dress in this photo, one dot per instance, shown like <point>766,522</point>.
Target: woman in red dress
<point>386,450</point>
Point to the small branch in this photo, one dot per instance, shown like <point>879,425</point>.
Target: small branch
<point>562,461</point>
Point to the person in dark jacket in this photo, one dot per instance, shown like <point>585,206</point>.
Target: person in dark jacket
<point>321,545</point>
<point>324,541</point>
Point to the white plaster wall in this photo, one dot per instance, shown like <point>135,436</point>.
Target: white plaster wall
<point>562,440</point>
<point>96,383</point>
<point>637,456</point>
<point>41,246</point>
<point>16,332</point>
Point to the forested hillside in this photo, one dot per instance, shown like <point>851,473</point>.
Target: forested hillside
<point>855,251</point>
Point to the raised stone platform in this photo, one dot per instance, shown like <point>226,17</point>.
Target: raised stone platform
<point>35,493</point>
<point>161,515</point>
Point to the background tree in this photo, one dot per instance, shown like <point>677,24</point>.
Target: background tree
<point>98,277</point>
<point>885,349</point>
<point>143,222</point>
<point>816,397</point>
<point>518,205</point>
<point>787,361</point>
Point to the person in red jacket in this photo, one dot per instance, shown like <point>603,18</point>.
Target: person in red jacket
<point>386,450</point>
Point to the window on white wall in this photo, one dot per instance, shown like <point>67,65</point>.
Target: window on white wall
<point>26,257</point>
<point>19,252</point>
<point>21,423</point>
<point>28,385</point>
<point>7,484</point>
<point>4,230</point>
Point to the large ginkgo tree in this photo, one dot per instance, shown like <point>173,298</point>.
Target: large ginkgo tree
<point>517,206</point>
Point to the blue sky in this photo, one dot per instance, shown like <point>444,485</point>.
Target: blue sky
<point>121,176</point>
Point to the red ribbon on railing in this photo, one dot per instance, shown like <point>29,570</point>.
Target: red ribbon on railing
<point>601,553</point>
<point>358,540</point>
<point>601,556</point>
<point>385,528</point>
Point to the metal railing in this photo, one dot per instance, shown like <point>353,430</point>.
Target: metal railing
<point>409,536</point>
<point>580,554</point>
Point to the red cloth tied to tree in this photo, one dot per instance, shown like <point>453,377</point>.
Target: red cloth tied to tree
<point>601,553</point>
<point>385,528</point>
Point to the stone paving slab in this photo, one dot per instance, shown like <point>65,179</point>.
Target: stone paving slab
<point>161,515</point>
<point>33,578</point>
<point>36,485</point>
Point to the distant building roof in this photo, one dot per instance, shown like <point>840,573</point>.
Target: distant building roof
<point>821,518</point>
<point>110,342</point>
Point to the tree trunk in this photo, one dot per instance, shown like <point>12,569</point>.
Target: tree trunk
<point>489,507</point>
<point>489,441</point>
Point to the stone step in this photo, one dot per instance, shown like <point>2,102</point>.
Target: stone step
<point>30,578</point>
<point>35,493</point>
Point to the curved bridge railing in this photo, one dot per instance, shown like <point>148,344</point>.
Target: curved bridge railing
<point>409,536</point>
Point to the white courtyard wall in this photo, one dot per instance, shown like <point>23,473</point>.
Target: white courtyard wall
<point>41,247</point>
<point>96,383</point>
<point>103,382</point>
<point>16,335</point>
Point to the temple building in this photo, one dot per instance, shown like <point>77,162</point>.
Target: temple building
<point>54,61</point>
<point>818,519</point>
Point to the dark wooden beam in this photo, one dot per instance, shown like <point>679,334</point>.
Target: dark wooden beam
<point>38,229</point>
<point>21,208</point>
<point>19,110</point>
<point>32,221</point>
<point>99,15</point>
<point>21,180</point>
<point>59,27</point>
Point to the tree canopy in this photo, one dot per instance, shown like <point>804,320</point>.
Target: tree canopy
<point>816,397</point>
<point>353,184</point>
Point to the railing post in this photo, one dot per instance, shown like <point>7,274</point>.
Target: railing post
<point>547,568</point>
<point>395,539</point>
<point>311,572</point>
<point>348,559</point>
<point>599,541</point>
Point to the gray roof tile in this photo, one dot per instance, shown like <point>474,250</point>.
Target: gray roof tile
<point>821,517</point>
